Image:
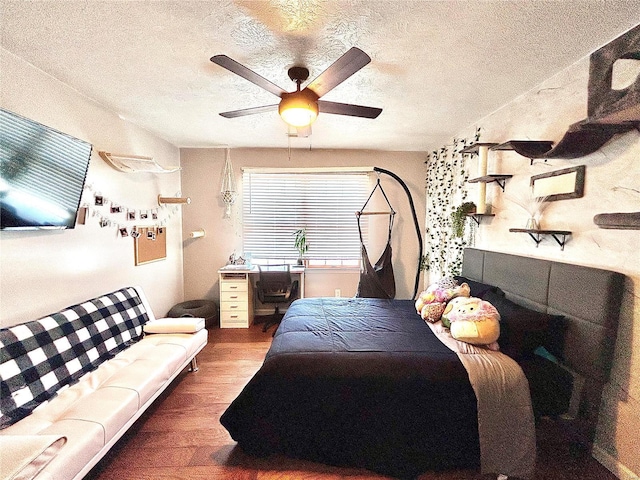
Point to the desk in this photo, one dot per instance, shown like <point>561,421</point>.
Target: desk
<point>236,294</point>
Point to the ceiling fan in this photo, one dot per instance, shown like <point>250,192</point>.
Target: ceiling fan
<point>300,108</point>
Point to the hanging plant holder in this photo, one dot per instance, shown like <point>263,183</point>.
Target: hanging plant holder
<point>228,188</point>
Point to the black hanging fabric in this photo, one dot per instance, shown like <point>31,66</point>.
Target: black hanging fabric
<point>377,281</point>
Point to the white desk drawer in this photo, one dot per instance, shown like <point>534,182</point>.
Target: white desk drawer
<point>234,319</point>
<point>234,296</point>
<point>240,306</point>
<point>234,286</point>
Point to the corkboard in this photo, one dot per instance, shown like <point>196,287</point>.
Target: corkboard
<point>150,244</point>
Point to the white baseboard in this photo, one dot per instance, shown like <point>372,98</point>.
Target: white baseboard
<point>612,464</point>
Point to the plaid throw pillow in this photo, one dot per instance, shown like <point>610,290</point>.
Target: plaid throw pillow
<point>39,358</point>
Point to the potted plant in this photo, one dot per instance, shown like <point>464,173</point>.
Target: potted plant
<point>301,244</point>
<point>459,217</point>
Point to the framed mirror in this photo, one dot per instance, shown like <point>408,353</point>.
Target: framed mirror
<point>560,184</point>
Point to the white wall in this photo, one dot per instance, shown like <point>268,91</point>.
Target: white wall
<point>44,271</point>
<point>612,184</point>
<point>202,171</point>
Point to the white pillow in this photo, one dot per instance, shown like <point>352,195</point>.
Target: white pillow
<point>174,325</point>
<point>24,456</point>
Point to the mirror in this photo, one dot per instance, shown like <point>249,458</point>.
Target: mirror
<point>560,184</point>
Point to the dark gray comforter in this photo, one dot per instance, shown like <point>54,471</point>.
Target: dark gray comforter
<point>359,382</point>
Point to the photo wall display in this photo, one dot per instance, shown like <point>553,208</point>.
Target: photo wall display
<point>108,212</point>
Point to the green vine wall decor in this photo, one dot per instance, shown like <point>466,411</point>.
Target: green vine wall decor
<point>446,189</point>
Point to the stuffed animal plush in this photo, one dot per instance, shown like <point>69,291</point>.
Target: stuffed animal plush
<point>437,296</point>
<point>451,306</point>
<point>432,312</point>
<point>473,320</point>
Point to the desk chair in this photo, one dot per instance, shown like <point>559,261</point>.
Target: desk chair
<point>275,286</point>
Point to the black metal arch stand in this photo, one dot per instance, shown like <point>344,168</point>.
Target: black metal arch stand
<point>415,221</point>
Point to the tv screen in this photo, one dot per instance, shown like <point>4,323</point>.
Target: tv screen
<point>42,174</point>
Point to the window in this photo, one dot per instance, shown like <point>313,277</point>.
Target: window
<point>276,204</point>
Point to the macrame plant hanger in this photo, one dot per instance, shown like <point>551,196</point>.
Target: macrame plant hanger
<point>228,187</point>
<point>377,281</point>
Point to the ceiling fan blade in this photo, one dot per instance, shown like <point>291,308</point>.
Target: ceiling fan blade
<point>249,111</point>
<point>348,64</point>
<point>239,69</point>
<point>348,109</point>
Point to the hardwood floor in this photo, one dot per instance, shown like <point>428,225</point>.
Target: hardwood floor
<point>180,436</point>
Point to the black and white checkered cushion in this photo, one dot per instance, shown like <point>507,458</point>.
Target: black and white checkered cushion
<point>39,358</point>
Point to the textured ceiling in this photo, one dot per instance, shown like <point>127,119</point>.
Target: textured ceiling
<point>437,66</point>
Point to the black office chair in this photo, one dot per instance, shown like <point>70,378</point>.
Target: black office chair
<point>275,286</point>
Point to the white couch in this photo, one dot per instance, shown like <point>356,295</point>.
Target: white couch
<point>66,435</point>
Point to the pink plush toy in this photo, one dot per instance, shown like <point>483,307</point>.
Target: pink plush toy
<point>432,302</point>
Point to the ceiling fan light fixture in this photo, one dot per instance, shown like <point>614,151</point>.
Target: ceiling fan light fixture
<point>298,109</point>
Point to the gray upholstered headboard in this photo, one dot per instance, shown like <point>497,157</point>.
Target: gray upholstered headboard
<point>589,298</point>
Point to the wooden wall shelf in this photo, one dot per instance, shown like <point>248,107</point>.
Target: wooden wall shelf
<point>618,221</point>
<point>474,148</point>
<point>560,236</point>
<point>531,149</point>
<point>499,179</point>
<point>477,217</point>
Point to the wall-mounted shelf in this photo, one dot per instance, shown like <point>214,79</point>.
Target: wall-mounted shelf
<point>606,104</point>
<point>499,179</point>
<point>560,236</point>
<point>583,138</point>
<point>477,217</point>
<point>618,221</point>
<point>531,149</point>
<point>173,200</point>
<point>475,148</point>
<point>134,163</point>
<point>611,111</point>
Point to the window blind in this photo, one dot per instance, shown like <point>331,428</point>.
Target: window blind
<point>275,205</point>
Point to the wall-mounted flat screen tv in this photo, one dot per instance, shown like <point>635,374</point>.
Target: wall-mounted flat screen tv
<point>42,174</point>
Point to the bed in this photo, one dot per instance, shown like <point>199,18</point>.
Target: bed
<point>367,383</point>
